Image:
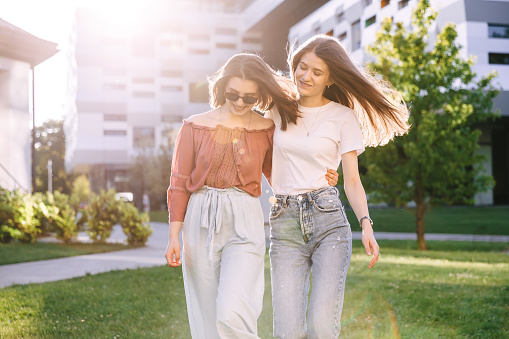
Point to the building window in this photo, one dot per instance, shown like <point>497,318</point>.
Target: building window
<point>114,87</point>
<point>143,137</point>
<point>371,21</point>
<point>199,92</point>
<point>171,88</point>
<point>340,16</point>
<point>226,31</point>
<point>143,94</point>
<point>342,37</point>
<point>356,35</point>
<point>498,31</point>
<point>224,45</point>
<point>142,46</point>
<point>330,33</point>
<point>171,74</point>
<point>499,58</point>
<point>176,45</point>
<point>143,80</point>
<point>384,3</point>
<point>115,117</point>
<point>402,4</point>
<point>112,132</point>
<point>199,37</point>
<point>368,2</point>
<point>198,51</point>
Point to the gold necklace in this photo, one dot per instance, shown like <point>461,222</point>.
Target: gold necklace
<point>316,116</point>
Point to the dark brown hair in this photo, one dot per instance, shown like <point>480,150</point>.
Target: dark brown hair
<point>274,89</point>
<point>380,108</point>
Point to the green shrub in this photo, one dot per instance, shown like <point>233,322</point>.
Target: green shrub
<point>64,217</point>
<point>135,224</point>
<point>79,199</point>
<point>19,216</point>
<point>8,231</point>
<point>103,212</point>
<point>44,211</point>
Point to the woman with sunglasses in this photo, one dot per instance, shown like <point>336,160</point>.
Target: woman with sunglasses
<point>216,178</point>
<point>309,228</point>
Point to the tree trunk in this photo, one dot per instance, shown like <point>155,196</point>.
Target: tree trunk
<point>419,217</point>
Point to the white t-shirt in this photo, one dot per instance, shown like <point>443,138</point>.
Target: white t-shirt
<point>299,162</point>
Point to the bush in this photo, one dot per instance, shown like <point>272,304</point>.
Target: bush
<point>103,212</point>
<point>18,217</point>
<point>79,199</point>
<point>135,225</point>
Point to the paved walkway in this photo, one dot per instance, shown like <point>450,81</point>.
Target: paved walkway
<point>150,255</point>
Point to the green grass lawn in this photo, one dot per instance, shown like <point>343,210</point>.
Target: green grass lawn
<point>453,290</point>
<point>18,252</point>
<point>455,220</point>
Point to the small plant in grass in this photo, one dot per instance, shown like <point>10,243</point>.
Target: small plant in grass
<point>135,224</point>
<point>104,211</point>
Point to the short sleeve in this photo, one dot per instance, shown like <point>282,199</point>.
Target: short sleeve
<point>350,138</point>
<point>183,164</point>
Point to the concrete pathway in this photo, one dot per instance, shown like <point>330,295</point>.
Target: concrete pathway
<point>65,268</point>
<point>152,255</point>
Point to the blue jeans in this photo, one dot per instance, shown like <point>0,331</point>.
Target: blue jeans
<point>309,231</point>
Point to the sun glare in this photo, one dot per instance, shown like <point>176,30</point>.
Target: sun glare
<point>123,17</point>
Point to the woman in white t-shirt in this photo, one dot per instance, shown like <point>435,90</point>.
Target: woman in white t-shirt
<point>309,228</point>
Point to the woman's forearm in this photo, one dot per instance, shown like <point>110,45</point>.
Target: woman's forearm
<point>175,227</point>
<point>357,199</point>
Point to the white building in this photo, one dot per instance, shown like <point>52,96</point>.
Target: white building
<point>483,31</point>
<point>20,52</point>
<point>137,82</point>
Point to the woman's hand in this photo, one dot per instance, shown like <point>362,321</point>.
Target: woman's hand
<point>332,177</point>
<point>173,253</point>
<point>173,250</point>
<point>370,244</point>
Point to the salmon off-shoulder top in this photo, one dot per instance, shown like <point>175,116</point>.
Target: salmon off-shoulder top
<point>219,157</point>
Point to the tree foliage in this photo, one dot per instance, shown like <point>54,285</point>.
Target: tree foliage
<point>436,162</point>
<point>50,144</point>
<point>150,172</point>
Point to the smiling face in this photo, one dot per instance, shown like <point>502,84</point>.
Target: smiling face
<point>242,88</point>
<point>311,75</point>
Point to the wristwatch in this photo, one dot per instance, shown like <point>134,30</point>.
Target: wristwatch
<point>366,217</point>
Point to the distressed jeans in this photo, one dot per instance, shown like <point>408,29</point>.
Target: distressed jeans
<point>309,232</point>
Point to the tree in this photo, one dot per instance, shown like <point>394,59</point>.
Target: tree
<point>436,162</point>
<point>150,172</point>
<point>50,145</point>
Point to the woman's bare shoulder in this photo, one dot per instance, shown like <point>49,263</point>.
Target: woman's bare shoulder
<point>259,122</point>
<point>208,119</point>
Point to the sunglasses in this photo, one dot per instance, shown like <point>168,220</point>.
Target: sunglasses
<point>234,97</point>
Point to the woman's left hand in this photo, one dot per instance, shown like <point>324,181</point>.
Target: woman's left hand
<point>370,244</point>
<point>332,177</point>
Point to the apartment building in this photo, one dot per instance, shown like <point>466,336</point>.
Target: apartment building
<point>137,80</point>
<point>483,31</point>
<point>20,52</point>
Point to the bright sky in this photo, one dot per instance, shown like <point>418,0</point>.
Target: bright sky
<point>50,20</point>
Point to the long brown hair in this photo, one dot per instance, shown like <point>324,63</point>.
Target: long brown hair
<point>274,89</point>
<point>380,108</point>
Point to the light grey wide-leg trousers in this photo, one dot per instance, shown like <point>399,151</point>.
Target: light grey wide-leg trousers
<point>223,263</point>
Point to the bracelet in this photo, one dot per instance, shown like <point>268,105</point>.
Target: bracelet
<point>362,219</point>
